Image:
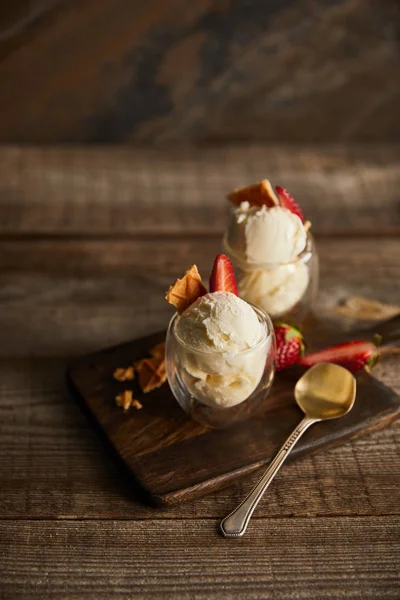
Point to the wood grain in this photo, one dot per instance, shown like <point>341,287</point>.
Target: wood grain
<point>114,191</point>
<point>279,559</point>
<point>52,464</point>
<point>77,274</point>
<point>280,71</point>
<point>112,291</point>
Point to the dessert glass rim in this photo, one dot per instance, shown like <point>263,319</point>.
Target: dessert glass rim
<point>268,334</point>
<point>304,255</point>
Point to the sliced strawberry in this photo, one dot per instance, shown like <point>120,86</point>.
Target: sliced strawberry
<point>287,201</point>
<point>289,346</point>
<point>353,355</point>
<point>223,277</point>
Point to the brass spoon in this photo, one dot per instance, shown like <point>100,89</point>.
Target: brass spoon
<point>326,391</point>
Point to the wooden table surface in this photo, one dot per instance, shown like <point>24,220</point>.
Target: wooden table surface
<point>90,239</point>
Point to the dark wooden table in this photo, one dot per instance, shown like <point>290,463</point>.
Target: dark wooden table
<point>90,239</point>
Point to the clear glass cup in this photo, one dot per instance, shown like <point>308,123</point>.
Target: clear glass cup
<point>286,291</point>
<point>218,390</point>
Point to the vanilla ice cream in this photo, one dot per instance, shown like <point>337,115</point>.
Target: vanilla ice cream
<point>265,243</point>
<point>277,290</point>
<point>222,350</point>
<point>266,235</point>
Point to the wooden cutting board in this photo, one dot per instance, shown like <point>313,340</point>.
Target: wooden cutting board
<point>174,459</point>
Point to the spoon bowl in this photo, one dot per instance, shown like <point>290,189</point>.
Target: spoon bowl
<point>326,391</point>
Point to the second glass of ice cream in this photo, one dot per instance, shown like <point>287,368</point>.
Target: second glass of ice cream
<point>275,259</point>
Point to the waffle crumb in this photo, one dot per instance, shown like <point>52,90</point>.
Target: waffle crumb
<point>137,404</point>
<point>124,374</point>
<point>307,226</point>
<point>125,399</point>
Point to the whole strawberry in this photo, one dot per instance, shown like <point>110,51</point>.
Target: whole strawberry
<point>289,346</point>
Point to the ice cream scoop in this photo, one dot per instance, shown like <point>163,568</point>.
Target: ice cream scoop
<point>220,322</point>
<point>265,235</point>
<point>222,349</point>
<point>266,244</point>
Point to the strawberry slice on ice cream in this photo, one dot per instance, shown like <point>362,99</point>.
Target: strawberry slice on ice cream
<point>223,278</point>
<point>287,201</point>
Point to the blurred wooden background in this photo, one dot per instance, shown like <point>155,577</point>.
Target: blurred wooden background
<point>199,70</point>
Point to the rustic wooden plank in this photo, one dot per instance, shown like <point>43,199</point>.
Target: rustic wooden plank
<point>277,559</point>
<point>282,71</point>
<point>52,464</point>
<point>116,191</point>
<point>75,297</point>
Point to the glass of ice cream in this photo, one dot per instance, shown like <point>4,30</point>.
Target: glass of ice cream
<point>275,259</point>
<point>220,356</point>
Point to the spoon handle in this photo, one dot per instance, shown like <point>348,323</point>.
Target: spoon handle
<point>235,524</point>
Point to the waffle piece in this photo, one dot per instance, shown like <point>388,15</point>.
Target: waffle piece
<point>258,194</point>
<point>185,291</point>
<point>152,373</point>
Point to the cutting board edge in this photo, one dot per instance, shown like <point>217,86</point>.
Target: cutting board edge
<point>218,483</point>
<point>140,488</point>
